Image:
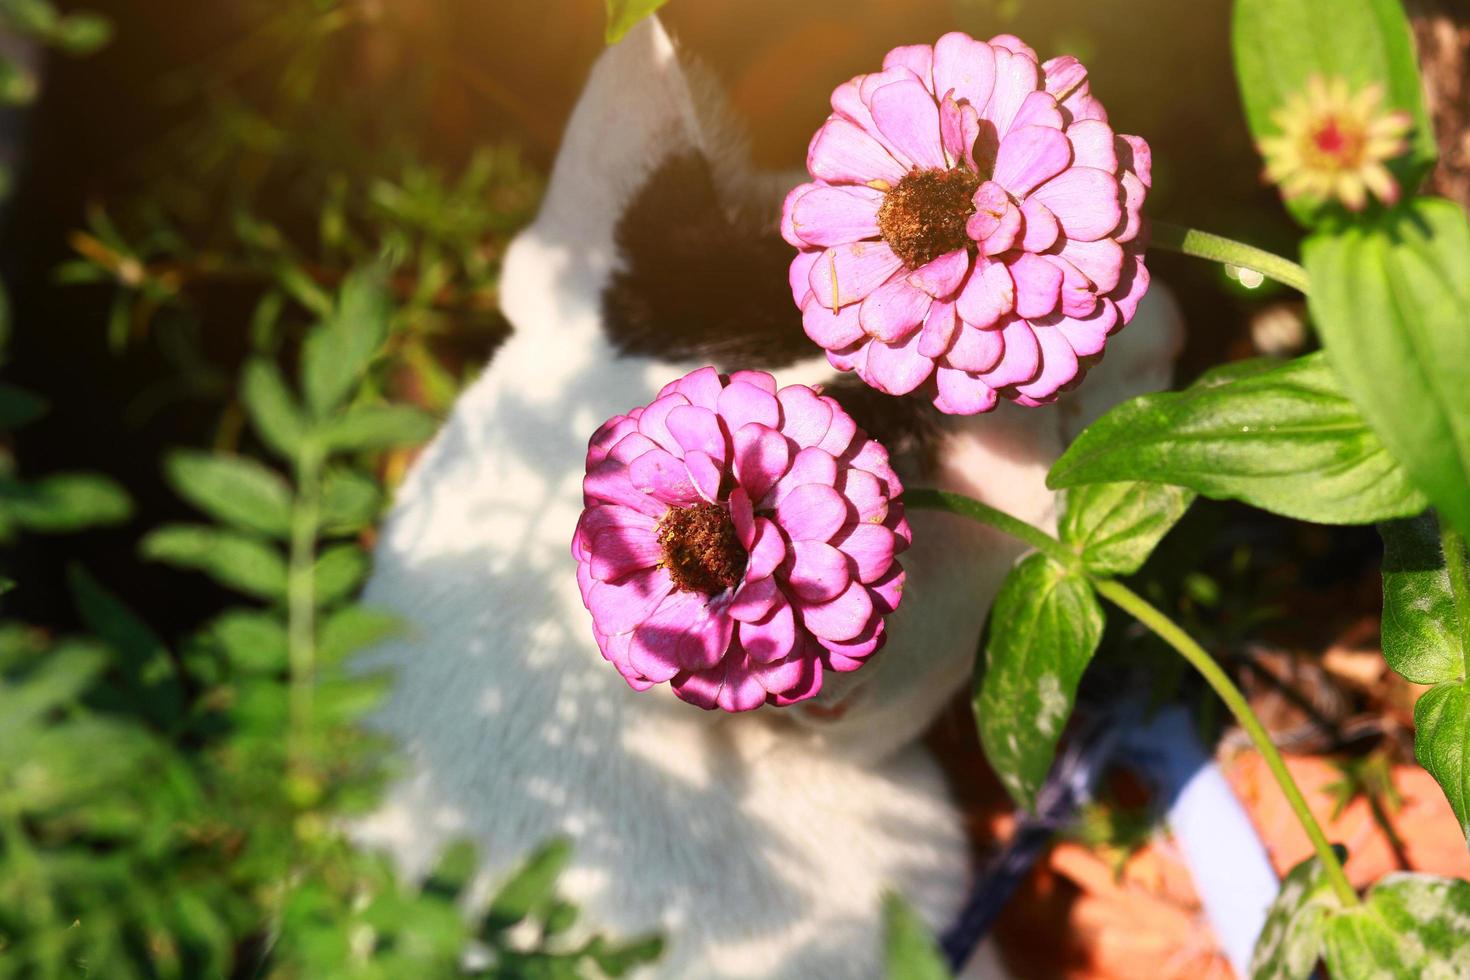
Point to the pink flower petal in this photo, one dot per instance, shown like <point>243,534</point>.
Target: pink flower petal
<point>1016,76</point>
<point>618,607</point>
<point>621,551</point>
<point>964,66</point>
<point>1041,228</point>
<point>852,652</point>
<point>792,680</point>
<point>1079,295</point>
<point>653,422</point>
<point>1100,261</point>
<point>1030,156</point>
<point>742,515</point>
<point>811,465</point>
<point>1134,154</point>
<point>843,153</point>
<point>836,215</point>
<point>664,476</point>
<point>1038,109</point>
<point>800,276</point>
<point>812,513</point>
<point>1064,76</point>
<point>841,618</point>
<point>1131,287</point>
<point>804,415</point>
<point>1038,285</point>
<point>1058,364</point>
<point>893,310</point>
<point>1014,45</point>
<point>701,387</point>
<point>772,638</point>
<point>962,394</point>
<point>609,481</point>
<point>975,350</point>
<point>831,331</point>
<point>705,473</point>
<point>897,368</point>
<point>754,600</point>
<point>1088,335</point>
<point>942,276</point>
<point>840,433</point>
<point>867,494</point>
<point>1022,358</point>
<point>887,590</point>
<point>848,273</point>
<point>761,455</point>
<point>688,631</point>
<point>988,295</point>
<point>757,379</point>
<point>818,572</point>
<point>906,113</point>
<point>939,330</point>
<point>1133,195</point>
<point>768,550</point>
<point>697,429</point>
<point>870,547</point>
<point>742,403</point>
<point>1093,145</point>
<point>958,126</point>
<point>917,58</point>
<point>1087,202</point>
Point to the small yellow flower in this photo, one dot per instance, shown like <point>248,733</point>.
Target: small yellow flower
<point>1334,143</point>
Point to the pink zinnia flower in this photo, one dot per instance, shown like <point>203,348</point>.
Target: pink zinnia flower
<point>973,228</point>
<point>738,541</point>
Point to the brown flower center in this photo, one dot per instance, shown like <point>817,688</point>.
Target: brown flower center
<point>701,550</point>
<point>924,216</point>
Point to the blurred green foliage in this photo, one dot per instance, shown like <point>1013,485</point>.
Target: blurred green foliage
<point>173,806</point>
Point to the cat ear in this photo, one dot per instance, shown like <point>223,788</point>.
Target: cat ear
<point>635,111</point>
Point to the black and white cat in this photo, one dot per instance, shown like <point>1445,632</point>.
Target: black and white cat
<point>760,844</point>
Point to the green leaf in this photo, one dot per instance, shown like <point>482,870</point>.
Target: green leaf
<point>254,642</point>
<point>19,407</point>
<point>619,959</point>
<point>453,871</point>
<point>234,489</point>
<point>351,500</point>
<point>65,502</point>
<point>1291,940</point>
<point>1424,640</point>
<point>338,351</point>
<point>622,15</point>
<point>1282,438</point>
<point>530,886</point>
<point>1442,743</point>
<point>60,679</point>
<point>1280,44</point>
<point>147,670</point>
<point>236,560</point>
<point>1115,526</point>
<point>1409,925</point>
<point>1391,300</point>
<point>352,628</point>
<point>338,572</point>
<point>273,410</point>
<point>1421,629</point>
<point>367,427</point>
<point>1045,625</point>
<point>909,949</point>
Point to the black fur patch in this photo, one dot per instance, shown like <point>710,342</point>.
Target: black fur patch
<point>699,279</point>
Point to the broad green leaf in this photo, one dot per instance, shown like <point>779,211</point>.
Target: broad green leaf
<point>1442,743</point>
<point>1391,299</point>
<point>1291,940</point>
<point>242,562</point>
<point>366,427</point>
<point>18,407</point>
<point>1425,640</point>
<point>65,502</point>
<point>59,680</point>
<point>622,15</point>
<point>146,669</point>
<point>352,628</point>
<point>1409,925</point>
<point>909,949</point>
<point>338,351</point>
<point>453,871</point>
<point>339,570</point>
<point>1045,625</point>
<point>530,886</point>
<point>1115,526</point>
<point>1421,630</point>
<point>351,501</point>
<point>619,959</point>
<point>1280,44</point>
<point>273,410</point>
<point>254,642</point>
<point>1282,438</point>
<point>234,489</point>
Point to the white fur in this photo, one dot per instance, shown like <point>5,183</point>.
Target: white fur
<point>759,843</point>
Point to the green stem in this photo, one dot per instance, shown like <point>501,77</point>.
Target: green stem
<point>1165,628</point>
<point>924,498</point>
<point>301,594</point>
<point>1457,563</point>
<point>1216,248</point>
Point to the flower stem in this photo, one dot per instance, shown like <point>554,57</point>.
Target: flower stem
<point>1216,248</point>
<point>301,598</point>
<point>924,498</point>
<point>1457,564</point>
<point>1168,631</point>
